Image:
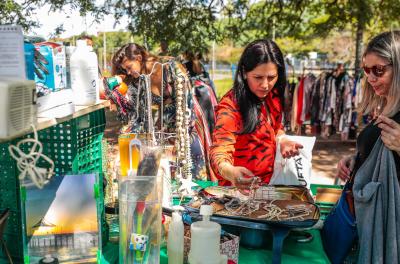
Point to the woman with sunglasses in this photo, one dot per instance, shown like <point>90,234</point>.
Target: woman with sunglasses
<point>381,98</point>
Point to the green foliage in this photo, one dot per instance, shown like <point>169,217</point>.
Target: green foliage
<point>12,12</point>
<point>183,24</point>
<point>223,86</point>
<point>19,12</point>
<point>263,19</point>
<point>299,26</point>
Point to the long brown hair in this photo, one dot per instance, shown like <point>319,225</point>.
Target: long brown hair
<point>130,51</point>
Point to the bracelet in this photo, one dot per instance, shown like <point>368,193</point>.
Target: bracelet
<point>279,138</point>
<point>221,167</point>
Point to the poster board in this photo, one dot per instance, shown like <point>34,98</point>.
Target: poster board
<point>61,220</point>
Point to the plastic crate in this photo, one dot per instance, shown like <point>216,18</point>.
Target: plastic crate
<point>74,145</point>
<point>76,129</point>
<point>4,154</point>
<point>8,180</point>
<point>89,158</point>
<point>14,246</point>
<point>9,198</point>
<point>324,207</point>
<point>14,224</point>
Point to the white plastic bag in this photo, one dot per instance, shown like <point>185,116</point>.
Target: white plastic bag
<point>295,170</point>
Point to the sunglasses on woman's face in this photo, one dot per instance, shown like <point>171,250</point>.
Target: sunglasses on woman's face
<point>377,70</point>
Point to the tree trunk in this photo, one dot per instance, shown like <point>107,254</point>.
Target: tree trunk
<point>359,46</point>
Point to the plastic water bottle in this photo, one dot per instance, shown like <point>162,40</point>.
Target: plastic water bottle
<point>84,75</point>
<point>69,50</point>
<point>175,239</point>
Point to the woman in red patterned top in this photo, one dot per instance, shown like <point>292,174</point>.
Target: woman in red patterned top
<point>249,119</point>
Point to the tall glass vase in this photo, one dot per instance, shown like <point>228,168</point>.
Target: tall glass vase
<point>140,220</point>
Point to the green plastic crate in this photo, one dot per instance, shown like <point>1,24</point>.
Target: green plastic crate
<point>8,180</point>
<point>324,208</point>
<point>4,154</point>
<point>9,199</point>
<point>13,226</point>
<point>14,246</point>
<point>76,129</point>
<point>74,145</point>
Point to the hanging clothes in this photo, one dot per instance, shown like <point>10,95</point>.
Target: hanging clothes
<point>327,101</point>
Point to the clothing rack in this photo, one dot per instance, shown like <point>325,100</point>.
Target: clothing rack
<point>330,69</point>
<point>325,69</point>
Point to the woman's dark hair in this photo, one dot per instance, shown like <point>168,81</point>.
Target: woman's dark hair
<point>128,51</point>
<point>256,53</point>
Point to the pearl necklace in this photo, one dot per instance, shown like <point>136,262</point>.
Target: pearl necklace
<point>183,117</point>
<point>182,142</point>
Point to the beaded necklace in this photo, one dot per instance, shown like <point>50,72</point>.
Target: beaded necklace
<point>183,114</point>
<point>182,124</point>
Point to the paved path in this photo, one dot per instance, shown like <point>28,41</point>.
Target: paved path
<point>326,155</point>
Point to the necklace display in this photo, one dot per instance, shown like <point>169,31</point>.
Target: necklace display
<point>183,115</point>
<point>182,142</point>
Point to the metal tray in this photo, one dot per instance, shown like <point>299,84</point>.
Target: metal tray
<point>298,193</point>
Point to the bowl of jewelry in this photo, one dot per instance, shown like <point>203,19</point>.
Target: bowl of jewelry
<point>282,205</point>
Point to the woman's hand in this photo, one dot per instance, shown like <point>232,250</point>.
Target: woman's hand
<point>344,167</point>
<point>240,177</point>
<point>289,148</point>
<point>390,133</point>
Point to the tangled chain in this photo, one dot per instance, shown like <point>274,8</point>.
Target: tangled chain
<point>245,208</point>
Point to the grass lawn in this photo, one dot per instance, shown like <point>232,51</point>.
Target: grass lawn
<point>222,86</point>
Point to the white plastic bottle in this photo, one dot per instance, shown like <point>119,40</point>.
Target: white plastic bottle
<point>205,240</point>
<point>69,50</point>
<point>84,75</point>
<point>175,239</point>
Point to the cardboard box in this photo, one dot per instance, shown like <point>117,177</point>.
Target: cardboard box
<point>52,70</point>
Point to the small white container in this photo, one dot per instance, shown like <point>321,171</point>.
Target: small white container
<point>175,239</point>
<point>84,70</point>
<point>205,240</point>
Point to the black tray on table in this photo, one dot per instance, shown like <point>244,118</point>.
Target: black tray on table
<point>254,232</point>
<point>298,193</point>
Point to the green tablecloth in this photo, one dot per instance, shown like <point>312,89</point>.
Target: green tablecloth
<point>293,253</point>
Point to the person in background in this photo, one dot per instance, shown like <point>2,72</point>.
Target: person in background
<point>381,64</point>
<point>170,90</point>
<point>163,49</point>
<point>196,69</point>
<point>249,119</point>
<point>203,88</point>
<point>89,40</point>
<point>193,63</point>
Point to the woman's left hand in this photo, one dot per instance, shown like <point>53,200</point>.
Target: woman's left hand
<point>390,133</point>
<point>289,148</point>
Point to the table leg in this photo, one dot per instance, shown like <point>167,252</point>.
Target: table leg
<point>279,234</point>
